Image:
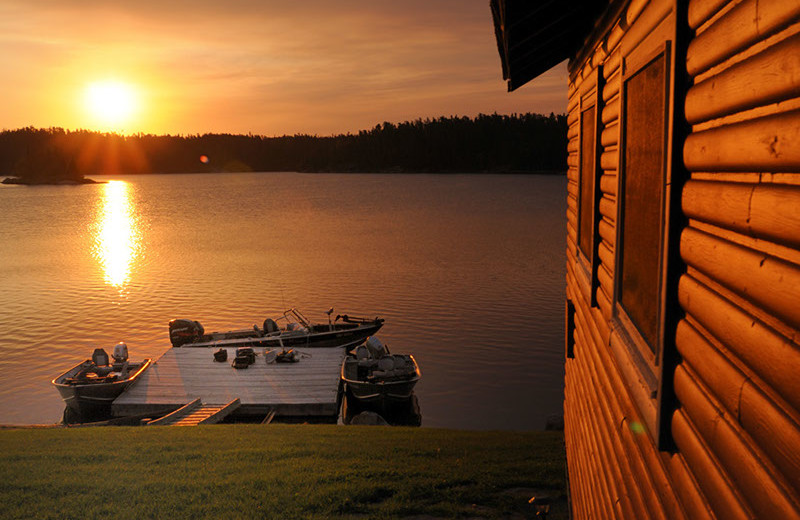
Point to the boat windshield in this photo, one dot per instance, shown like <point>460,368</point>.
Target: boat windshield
<point>293,315</point>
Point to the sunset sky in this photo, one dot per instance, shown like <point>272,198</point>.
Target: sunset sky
<point>267,67</point>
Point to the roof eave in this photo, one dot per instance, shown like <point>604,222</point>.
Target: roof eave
<point>533,37</point>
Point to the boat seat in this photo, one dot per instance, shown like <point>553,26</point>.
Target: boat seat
<point>270,326</point>
<point>386,364</point>
<point>362,353</point>
<point>388,376</point>
<point>100,357</point>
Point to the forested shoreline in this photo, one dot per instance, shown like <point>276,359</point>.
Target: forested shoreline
<point>487,143</point>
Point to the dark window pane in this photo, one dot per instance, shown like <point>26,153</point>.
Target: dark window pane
<point>586,210</point>
<point>643,186</point>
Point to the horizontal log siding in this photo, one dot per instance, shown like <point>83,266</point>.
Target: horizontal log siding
<point>740,398</point>
<point>599,483</point>
<point>620,476</point>
<point>615,468</point>
<point>637,448</point>
<point>724,502</point>
<point>738,381</point>
<point>599,443</point>
<point>745,465</point>
<point>745,25</point>
<point>765,144</point>
<point>766,211</point>
<point>771,75</point>
<point>764,281</point>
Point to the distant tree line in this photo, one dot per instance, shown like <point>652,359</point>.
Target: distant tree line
<point>486,143</point>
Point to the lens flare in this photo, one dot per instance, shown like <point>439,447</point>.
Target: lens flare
<point>637,428</point>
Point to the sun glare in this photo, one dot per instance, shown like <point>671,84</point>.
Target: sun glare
<point>116,233</point>
<point>111,103</point>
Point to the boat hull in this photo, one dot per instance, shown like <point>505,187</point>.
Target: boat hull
<point>322,339</point>
<point>376,392</point>
<point>404,412</point>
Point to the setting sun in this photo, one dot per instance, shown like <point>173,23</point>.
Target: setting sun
<point>111,103</point>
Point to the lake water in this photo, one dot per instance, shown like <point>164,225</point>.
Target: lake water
<point>467,270</point>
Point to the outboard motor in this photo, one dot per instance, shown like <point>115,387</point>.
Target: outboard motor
<point>120,354</point>
<point>184,331</point>
<point>376,348</point>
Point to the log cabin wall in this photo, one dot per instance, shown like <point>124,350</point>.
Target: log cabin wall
<point>692,410</point>
<point>611,416</point>
<point>738,380</point>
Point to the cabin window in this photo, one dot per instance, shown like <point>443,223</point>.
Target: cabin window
<point>644,129</point>
<point>587,175</point>
<point>645,200</point>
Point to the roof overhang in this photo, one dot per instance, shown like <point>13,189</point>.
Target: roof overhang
<point>534,36</point>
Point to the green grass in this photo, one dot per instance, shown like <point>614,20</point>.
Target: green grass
<point>276,471</point>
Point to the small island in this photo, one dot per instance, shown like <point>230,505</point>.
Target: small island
<point>28,181</point>
<point>45,157</point>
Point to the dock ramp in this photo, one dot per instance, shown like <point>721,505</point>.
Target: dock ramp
<point>195,413</point>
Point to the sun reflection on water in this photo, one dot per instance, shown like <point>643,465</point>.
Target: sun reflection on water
<point>117,235</point>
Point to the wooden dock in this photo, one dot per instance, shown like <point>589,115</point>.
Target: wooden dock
<point>309,388</point>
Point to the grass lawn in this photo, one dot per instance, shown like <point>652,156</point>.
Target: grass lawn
<point>277,471</point>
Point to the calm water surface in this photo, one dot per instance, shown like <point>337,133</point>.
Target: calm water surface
<point>467,270</point>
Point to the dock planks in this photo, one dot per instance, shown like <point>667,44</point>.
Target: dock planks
<point>308,388</point>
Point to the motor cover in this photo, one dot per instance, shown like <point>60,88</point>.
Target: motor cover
<point>184,331</point>
<point>376,347</point>
<point>120,352</point>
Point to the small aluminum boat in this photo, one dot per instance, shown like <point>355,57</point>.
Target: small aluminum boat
<point>371,374</point>
<point>290,330</point>
<point>91,386</point>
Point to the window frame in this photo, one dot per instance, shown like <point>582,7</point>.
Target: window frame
<point>590,97</point>
<point>650,353</point>
<point>642,367</point>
